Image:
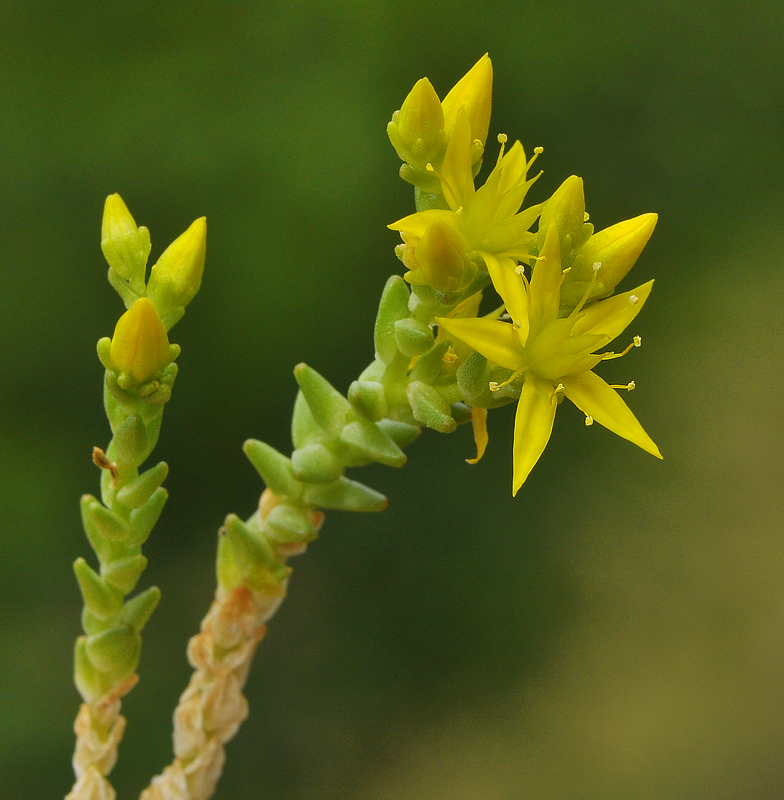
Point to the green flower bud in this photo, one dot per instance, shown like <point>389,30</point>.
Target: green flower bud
<point>176,277</point>
<point>143,519</point>
<point>345,495</point>
<point>136,612</point>
<point>417,130</point>
<point>289,525</point>
<point>316,463</point>
<point>368,441</point>
<point>274,468</point>
<point>124,573</point>
<point>430,408</point>
<point>103,600</point>
<point>125,246</point>
<point>138,491</point>
<point>392,307</point>
<point>115,650</point>
<point>326,404</point>
<point>140,347</point>
<point>368,398</point>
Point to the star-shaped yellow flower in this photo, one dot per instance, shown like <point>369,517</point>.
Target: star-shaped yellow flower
<point>554,356</point>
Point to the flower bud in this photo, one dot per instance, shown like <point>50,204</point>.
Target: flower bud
<point>566,208</point>
<point>474,92</point>
<point>417,130</point>
<point>176,277</point>
<point>616,248</point>
<point>442,259</point>
<point>140,346</point>
<point>125,246</point>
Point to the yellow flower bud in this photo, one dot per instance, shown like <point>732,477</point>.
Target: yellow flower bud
<point>616,248</point>
<point>442,259</point>
<point>125,246</point>
<point>474,91</point>
<point>566,208</point>
<point>140,346</point>
<point>176,277</point>
<point>417,130</point>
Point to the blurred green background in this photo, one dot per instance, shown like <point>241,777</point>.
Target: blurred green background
<point>617,630</point>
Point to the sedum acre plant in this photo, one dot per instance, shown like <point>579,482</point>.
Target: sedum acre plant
<point>439,362</point>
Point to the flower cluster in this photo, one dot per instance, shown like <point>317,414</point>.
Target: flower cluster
<point>554,326</point>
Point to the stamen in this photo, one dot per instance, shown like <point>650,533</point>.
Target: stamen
<point>586,216</point>
<point>633,299</point>
<point>588,420</point>
<point>494,387</point>
<point>558,390</point>
<point>628,387</point>
<point>449,357</point>
<point>637,342</point>
<point>517,325</point>
<point>597,265</point>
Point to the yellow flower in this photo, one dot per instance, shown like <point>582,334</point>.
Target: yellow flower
<point>553,356</point>
<point>140,346</point>
<point>487,219</point>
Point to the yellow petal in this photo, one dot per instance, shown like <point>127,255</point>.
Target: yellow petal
<point>140,346</point>
<point>474,92</point>
<point>511,288</point>
<point>612,316</point>
<point>596,399</point>
<point>545,295</point>
<point>457,179</point>
<point>533,426</point>
<point>417,224</point>
<point>496,341</point>
<point>479,424</point>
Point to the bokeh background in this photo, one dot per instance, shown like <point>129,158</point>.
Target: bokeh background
<point>617,630</point>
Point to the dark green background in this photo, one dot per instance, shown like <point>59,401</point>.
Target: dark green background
<point>617,630</point>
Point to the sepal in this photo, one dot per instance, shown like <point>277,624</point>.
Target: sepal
<point>274,468</point>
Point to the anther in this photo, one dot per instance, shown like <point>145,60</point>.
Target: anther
<point>597,265</point>
<point>493,386</point>
<point>631,386</point>
<point>586,216</point>
<point>637,341</point>
<point>517,325</point>
<point>502,138</point>
<point>520,269</point>
<point>633,299</point>
<point>538,150</point>
<point>558,390</point>
<point>588,420</point>
<point>429,167</point>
